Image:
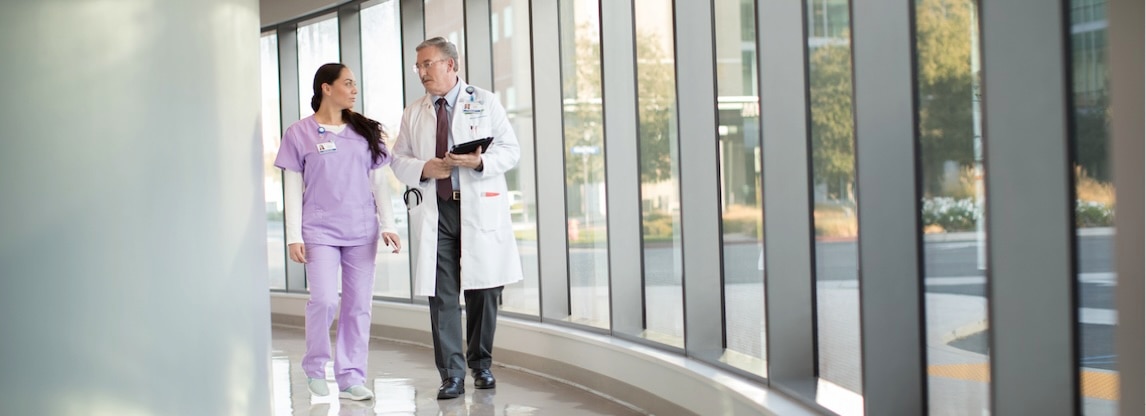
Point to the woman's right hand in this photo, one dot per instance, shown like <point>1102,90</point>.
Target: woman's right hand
<point>297,252</point>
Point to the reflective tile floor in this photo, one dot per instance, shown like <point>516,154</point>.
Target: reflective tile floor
<point>405,382</point>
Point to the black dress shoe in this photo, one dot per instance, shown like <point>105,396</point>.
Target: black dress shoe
<point>451,387</point>
<point>483,379</point>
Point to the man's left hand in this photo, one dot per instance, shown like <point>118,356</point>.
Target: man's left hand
<point>471,160</point>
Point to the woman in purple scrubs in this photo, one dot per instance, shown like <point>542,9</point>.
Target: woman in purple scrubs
<point>335,194</point>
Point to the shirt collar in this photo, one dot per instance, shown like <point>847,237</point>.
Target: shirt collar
<point>452,96</point>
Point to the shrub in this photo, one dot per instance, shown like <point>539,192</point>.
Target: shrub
<point>657,226</point>
<point>1093,214</point>
<point>743,219</point>
<point>950,214</point>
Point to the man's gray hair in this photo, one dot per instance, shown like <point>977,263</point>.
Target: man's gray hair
<point>444,46</point>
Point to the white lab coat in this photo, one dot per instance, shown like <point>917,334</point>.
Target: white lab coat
<point>489,248</point>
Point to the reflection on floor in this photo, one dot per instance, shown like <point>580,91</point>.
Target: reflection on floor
<point>405,382</point>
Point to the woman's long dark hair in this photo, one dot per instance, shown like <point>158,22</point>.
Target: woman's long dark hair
<point>370,129</point>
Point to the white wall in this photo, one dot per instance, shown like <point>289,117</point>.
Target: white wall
<point>133,274</point>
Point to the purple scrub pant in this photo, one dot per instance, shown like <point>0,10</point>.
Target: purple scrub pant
<point>352,344</point>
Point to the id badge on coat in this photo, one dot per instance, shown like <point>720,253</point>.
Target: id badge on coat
<point>326,147</point>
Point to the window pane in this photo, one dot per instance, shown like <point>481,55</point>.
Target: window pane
<point>317,45</point>
<point>585,163</point>
<point>660,188</point>
<point>1094,207</point>
<point>512,80</point>
<point>833,177</point>
<point>446,18</point>
<point>742,214</point>
<point>954,254</point>
<point>272,176</point>
<point>381,91</point>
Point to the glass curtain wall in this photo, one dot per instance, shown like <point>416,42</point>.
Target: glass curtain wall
<point>317,45</point>
<point>513,83</point>
<point>272,176</point>
<point>834,193</point>
<point>587,230</point>
<point>380,86</point>
<point>738,106</point>
<point>659,170</point>
<point>1094,206</point>
<point>446,18</point>
<point>951,164</point>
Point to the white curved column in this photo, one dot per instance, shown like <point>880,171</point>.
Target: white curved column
<point>133,273</point>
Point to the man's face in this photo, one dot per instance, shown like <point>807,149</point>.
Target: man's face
<point>437,71</point>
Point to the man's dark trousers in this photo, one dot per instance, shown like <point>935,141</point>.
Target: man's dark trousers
<point>445,312</point>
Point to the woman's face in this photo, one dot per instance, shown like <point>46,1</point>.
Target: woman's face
<point>342,93</point>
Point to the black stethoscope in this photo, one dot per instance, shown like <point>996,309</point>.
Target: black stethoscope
<point>414,193</point>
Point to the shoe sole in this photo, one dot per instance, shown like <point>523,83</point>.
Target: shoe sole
<point>444,396</point>
<point>345,395</point>
<point>487,386</point>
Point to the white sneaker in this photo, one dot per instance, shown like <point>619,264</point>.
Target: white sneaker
<point>317,387</point>
<point>356,392</point>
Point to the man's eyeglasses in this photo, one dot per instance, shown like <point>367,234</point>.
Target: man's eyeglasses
<point>424,66</point>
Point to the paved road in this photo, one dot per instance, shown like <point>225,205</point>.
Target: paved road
<point>839,260</point>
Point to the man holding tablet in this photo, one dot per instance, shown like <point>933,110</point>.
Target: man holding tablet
<point>462,240</point>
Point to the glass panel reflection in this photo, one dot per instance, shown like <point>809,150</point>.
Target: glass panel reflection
<point>954,254</point>
<point>1094,206</point>
<point>446,18</point>
<point>659,167</point>
<point>740,173</point>
<point>380,87</point>
<point>834,194</point>
<point>513,83</point>
<point>587,230</point>
<point>272,176</point>
<point>317,45</point>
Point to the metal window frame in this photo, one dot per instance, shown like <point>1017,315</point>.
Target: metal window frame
<point>1126,91</point>
<point>786,157</point>
<point>413,22</point>
<point>700,207</point>
<point>1031,273</point>
<point>350,41</point>
<point>549,121</point>
<point>479,43</point>
<point>622,190</point>
<point>289,113</point>
<point>892,328</point>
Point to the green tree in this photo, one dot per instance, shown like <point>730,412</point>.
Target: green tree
<point>943,43</point>
<point>656,89</point>
<point>833,151</point>
<point>583,112</point>
<point>946,123</point>
<point>1092,138</point>
<point>656,94</point>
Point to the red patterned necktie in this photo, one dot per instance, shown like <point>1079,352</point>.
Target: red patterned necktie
<point>445,186</point>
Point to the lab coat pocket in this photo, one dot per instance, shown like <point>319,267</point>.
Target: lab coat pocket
<point>492,206</point>
<point>415,217</point>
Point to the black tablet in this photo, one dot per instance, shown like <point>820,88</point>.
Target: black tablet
<point>469,147</point>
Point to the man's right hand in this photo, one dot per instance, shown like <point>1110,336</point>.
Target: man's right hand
<point>436,168</point>
<point>297,252</point>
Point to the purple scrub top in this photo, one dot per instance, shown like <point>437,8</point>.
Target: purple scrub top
<point>338,202</point>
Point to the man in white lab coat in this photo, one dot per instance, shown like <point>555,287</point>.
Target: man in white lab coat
<point>461,236</point>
